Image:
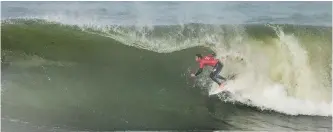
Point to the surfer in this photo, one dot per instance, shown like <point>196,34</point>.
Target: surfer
<point>209,60</point>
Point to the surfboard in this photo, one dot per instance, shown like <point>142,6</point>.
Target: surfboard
<point>222,87</point>
<point>218,89</point>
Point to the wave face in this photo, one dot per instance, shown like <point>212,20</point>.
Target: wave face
<point>72,71</point>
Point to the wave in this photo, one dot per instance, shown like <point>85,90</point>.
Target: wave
<point>285,68</point>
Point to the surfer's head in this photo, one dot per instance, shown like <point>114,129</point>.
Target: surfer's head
<point>198,57</point>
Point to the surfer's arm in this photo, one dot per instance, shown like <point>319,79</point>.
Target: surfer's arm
<point>198,72</point>
<point>201,66</point>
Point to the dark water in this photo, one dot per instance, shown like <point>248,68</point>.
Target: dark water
<point>59,78</point>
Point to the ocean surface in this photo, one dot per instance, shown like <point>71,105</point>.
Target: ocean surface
<point>105,66</point>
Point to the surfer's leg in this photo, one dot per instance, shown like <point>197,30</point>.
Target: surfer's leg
<point>220,77</point>
<point>216,71</point>
<point>213,77</point>
<point>215,74</point>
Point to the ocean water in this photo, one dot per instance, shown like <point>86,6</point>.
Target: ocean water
<point>105,66</point>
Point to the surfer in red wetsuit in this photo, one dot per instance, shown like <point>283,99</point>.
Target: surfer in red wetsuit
<point>209,60</point>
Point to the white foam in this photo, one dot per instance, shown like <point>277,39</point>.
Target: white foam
<point>274,97</point>
<point>255,83</point>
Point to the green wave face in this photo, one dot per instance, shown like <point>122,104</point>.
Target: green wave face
<point>61,73</point>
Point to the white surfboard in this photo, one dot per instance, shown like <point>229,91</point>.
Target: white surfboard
<point>217,90</point>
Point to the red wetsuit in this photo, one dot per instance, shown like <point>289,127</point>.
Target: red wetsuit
<point>209,60</point>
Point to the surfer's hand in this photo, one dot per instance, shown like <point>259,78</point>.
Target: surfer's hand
<point>192,75</point>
